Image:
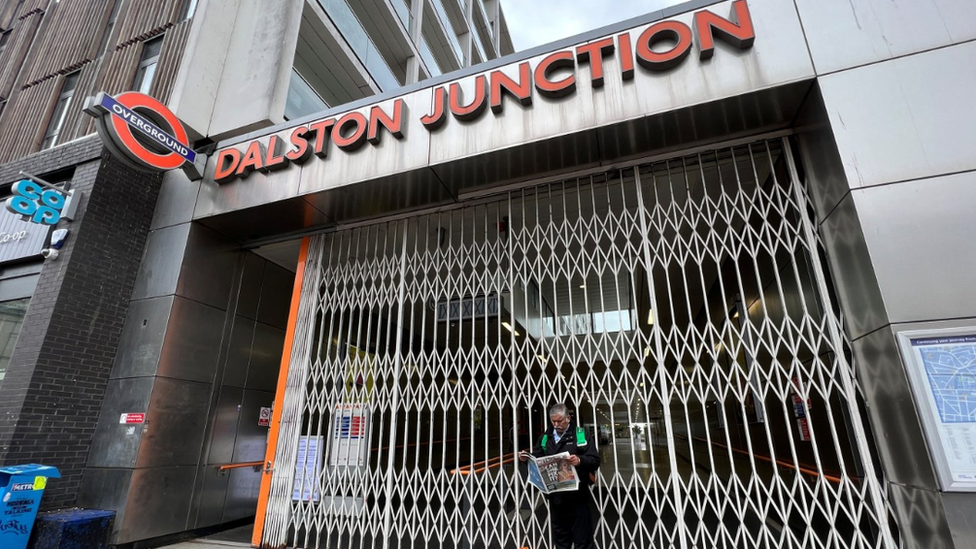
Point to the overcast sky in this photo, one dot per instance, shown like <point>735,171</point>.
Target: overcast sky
<point>535,22</point>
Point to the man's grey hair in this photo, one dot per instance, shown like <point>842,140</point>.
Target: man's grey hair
<point>559,409</point>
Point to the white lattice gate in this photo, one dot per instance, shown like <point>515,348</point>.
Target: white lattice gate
<point>680,307</point>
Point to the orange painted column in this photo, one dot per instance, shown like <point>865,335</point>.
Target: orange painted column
<point>269,456</point>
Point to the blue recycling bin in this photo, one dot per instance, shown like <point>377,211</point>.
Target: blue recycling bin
<point>21,488</point>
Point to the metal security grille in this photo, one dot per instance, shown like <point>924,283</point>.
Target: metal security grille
<point>679,307</point>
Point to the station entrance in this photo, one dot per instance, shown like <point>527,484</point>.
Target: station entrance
<point>679,307</point>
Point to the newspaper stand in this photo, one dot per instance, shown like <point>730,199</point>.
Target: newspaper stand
<point>21,488</point>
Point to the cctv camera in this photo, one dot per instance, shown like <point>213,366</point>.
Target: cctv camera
<point>49,253</point>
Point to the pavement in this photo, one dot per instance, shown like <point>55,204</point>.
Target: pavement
<point>228,539</point>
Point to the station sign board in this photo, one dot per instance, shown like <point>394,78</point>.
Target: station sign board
<point>143,133</point>
<point>659,47</point>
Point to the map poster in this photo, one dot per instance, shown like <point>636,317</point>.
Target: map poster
<point>943,374</point>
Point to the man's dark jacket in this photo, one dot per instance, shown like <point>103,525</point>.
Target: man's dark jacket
<point>587,452</point>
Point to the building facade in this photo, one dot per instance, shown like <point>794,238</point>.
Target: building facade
<point>63,319</point>
<point>731,235</point>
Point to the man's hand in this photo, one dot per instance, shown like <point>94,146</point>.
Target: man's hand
<point>523,456</point>
<point>574,460</point>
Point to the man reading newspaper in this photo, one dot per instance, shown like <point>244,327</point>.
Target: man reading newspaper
<point>564,461</point>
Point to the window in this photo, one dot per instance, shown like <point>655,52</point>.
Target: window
<point>4,36</point>
<point>352,30</point>
<point>11,319</point>
<point>60,111</point>
<point>302,98</point>
<point>402,8</point>
<point>147,65</point>
<point>112,17</point>
<point>428,57</point>
<point>189,7</point>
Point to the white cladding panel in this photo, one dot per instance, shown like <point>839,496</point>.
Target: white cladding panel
<point>907,118</point>
<point>197,85</point>
<point>253,87</point>
<point>847,33</point>
<point>920,237</point>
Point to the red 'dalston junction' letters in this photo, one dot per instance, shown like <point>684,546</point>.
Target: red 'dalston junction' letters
<point>661,46</point>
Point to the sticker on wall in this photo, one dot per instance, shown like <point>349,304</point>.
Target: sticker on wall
<point>264,417</point>
<point>132,418</point>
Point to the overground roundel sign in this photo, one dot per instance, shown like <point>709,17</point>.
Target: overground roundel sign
<point>143,133</point>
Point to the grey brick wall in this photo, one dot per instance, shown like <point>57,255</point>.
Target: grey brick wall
<point>52,394</point>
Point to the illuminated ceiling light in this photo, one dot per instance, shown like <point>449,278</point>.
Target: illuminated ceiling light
<point>647,352</point>
<point>544,358</point>
<point>735,314</point>
<point>650,317</point>
<point>508,327</point>
<point>582,286</point>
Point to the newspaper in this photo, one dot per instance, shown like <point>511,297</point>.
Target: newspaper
<point>553,474</point>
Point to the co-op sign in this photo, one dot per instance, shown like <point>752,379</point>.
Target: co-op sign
<point>661,46</point>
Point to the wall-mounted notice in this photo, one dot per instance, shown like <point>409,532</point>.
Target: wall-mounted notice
<point>308,469</point>
<point>800,409</point>
<point>942,370</point>
<point>349,437</point>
